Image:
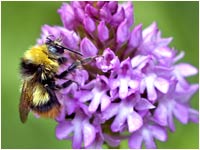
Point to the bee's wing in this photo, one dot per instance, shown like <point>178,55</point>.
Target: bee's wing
<point>25,99</point>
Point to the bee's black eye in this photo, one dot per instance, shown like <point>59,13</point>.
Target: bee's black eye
<point>52,49</point>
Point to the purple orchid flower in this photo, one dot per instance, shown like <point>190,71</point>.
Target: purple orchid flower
<point>133,88</point>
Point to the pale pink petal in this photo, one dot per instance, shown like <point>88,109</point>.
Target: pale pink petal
<point>181,113</point>
<point>186,69</point>
<point>137,60</point>
<point>105,102</point>
<point>123,88</point>
<point>149,142</point>
<point>160,115</point>
<point>159,132</point>
<point>134,84</point>
<point>134,121</point>
<point>151,92</point>
<point>89,134</point>
<point>144,104</point>
<point>95,102</point>
<point>161,84</point>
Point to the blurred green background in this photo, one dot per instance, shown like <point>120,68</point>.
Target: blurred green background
<point>21,24</point>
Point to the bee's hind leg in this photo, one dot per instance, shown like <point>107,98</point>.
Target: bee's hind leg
<point>66,84</point>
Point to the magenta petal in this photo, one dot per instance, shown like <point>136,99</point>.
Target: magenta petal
<point>193,115</point>
<point>70,105</point>
<point>63,129</point>
<point>89,24</point>
<point>181,113</point>
<point>171,122</point>
<point>89,134</point>
<point>186,69</point>
<point>134,121</point>
<point>105,13</point>
<point>159,132</point>
<point>161,84</point>
<point>129,13</point>
<point>118,17</point>
<point>88,48</point>
<point>122,32</point>
<point>67,16</point>
<point>97,144</point>
<point>135,141</point>
<point>160,115</point>
<point>79,13</point>
<point>92,11</point>
<point>110,111</point>
<point>111,140</point>
<point>100,3</point>
<point>103,32</point>
<point>113,5</point>
<point>136,37</point>
<point>185,95</point>
<point>144,104</point>
<point>77,138</point>
<point>119,121</point>
<point>70,39</point>
<point>84,96</point>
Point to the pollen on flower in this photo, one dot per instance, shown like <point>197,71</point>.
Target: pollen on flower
<point>132,90</point>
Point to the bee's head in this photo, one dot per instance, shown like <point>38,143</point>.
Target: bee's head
<point>54,46</point>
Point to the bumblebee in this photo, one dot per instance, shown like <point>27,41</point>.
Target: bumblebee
<point>39,71</point>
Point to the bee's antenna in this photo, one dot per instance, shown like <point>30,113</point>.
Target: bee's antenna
<point>76,52</point>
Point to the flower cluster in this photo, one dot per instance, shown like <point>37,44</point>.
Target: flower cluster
<point>132,89</point>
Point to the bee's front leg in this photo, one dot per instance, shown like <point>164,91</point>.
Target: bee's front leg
<point>73,66</point>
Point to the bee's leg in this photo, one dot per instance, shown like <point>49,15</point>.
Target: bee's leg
<point>62,60</point>
<point>73,66</point>
<point>65,84</point>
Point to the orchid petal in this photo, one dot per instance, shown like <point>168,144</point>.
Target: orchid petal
<point>161,84</point>
<point>63,129</point>
<point>134,121</point>
<point>89,134</point>
<point>88,48</point>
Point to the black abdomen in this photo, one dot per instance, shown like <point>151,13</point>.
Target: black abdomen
<point>28,68</point>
